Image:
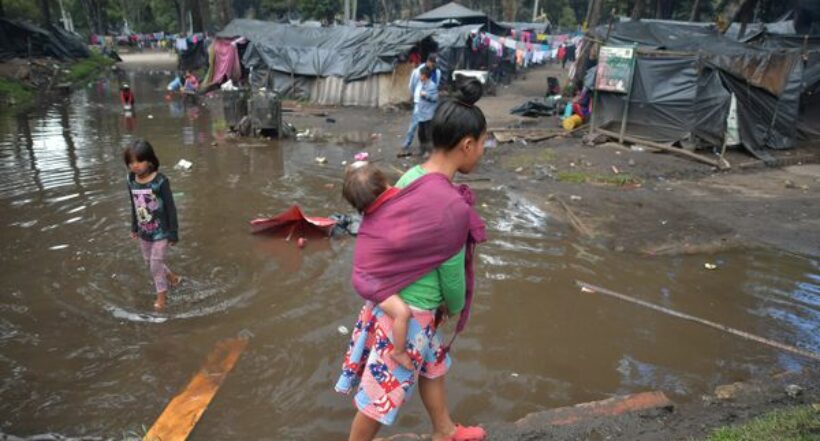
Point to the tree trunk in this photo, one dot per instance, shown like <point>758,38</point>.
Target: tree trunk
<point>638,10</point>
<point>205,14</point>
<point>98,16</point>
<point>386,12</point>
<point>46,11</point>
<point>181,19</point>
<point>194,8</point>
<point>736,11</point>
<point>695,11</point>
<point>225,12</point>
<point>593,17</point>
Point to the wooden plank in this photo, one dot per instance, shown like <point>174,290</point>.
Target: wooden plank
<point>666,148</point>
<point>183,412</point>
<point>586,411</point>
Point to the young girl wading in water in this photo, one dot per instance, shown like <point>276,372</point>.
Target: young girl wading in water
<point>153,214</point>
<point>416,245</point>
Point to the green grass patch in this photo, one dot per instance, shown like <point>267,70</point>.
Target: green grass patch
<point>793,424</point>
<point>14,92</point>
<point>87,67</point>
<point>528,159</point>
<point>582,178</point>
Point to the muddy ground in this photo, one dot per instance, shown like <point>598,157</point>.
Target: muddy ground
<point>630,201</point>
<point>729,405</point>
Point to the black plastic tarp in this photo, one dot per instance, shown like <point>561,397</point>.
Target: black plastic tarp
<point>669,101</point>
<point>451,10</point>
<point>348,52</point>
<point>454,13</point>
<point>21,39</point>
<point>343,51</point>
<point>691,96</point>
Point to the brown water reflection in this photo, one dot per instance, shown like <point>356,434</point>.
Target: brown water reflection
<point>81,352</point>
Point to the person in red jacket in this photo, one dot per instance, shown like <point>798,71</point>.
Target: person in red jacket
<point>126,97</point>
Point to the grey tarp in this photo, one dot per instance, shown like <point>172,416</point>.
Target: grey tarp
<point>669,102</point>
<point>767,83</point>
<point>343,51</point>
<point>455,13</point>
<point>451,10</point>
<point>18,37</point>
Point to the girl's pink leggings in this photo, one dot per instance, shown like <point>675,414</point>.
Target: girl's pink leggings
<point>154,255</point>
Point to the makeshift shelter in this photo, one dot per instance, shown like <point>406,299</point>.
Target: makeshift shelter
<point>19,38</point>
<point>684,79</point>
<point>455,14</point>
<point>336,66</point>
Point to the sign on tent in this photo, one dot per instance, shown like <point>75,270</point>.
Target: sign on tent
<point>615,68</point>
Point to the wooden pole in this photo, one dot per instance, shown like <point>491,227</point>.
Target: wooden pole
<point>588,288</point>
<point>628,98</point>
<point>666,148</point>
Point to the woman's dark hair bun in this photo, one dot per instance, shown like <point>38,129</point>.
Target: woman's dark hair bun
<point>468,90</point>
<point>458,117</point>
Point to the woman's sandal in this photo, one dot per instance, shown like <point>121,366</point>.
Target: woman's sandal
<point>472,433</point>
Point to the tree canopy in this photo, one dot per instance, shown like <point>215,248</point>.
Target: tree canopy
<point>106,16</point>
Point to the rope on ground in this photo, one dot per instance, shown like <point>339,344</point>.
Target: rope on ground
<point>586,287</point>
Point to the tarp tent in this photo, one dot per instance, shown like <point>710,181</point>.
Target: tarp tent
<point>21,39</point>
<point>338,65</point>
<point>455,14</point>
<point>684,79</point>
<point>343,51</point>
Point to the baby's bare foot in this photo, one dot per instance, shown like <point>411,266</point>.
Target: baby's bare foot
<point>159,303</point>
<point>403,359</point>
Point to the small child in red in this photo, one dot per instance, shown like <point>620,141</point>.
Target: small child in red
<point>126,96</point>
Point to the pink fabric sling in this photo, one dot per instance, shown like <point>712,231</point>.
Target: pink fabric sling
<point>414,232</point>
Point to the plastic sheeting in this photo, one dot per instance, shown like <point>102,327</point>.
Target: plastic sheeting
<point>225,62</point>
<point>342,51</point>
<point>17,37</point>
<point>689,96</point>
<point>669,102</point>
<point>761,67</point>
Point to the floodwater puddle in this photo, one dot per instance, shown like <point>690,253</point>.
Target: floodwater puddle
<point>78,335</point>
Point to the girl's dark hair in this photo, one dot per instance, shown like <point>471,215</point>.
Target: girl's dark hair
<point>424,71</point>
<point>140,150</point>
<point>458,116</point>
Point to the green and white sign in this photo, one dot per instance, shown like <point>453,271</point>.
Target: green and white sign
<point>615,67</point>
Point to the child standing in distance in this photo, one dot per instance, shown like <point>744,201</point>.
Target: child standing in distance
<point>126,97</point>
<point>364,183</point>
<point>153,214</point>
